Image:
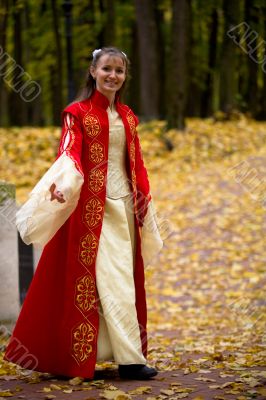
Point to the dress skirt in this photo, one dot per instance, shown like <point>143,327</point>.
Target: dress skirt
<point>119,333</point>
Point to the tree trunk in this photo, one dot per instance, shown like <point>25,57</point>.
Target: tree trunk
<point>3,92</point>
<point>56,76</point>
<point>148,53</point>
<point>251,95</point>
<point>67,6</point>
<point>262,94</point>
<point>207,96</point>
<point>161,60</point>
<point>229,71</point>
<point>18,109</point>
<point>110,25</point>
<point>177,85</point>
<point>133,91</point>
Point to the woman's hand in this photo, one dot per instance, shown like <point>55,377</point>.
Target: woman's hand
<point>56,194</point>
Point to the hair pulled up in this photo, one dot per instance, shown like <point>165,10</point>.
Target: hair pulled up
<point>88,88</point>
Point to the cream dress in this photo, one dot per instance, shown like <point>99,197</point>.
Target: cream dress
<point>119,334</point>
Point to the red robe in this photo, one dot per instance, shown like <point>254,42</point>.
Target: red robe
<point>58,325</point>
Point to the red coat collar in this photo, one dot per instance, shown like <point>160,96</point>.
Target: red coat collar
<point>101,100</point>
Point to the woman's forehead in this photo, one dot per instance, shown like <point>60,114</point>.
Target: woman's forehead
<point>111,60</point>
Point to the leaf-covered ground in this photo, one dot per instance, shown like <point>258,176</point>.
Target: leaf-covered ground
<point>206,289</point>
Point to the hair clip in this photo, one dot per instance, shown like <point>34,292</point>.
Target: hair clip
<point>95,52</point>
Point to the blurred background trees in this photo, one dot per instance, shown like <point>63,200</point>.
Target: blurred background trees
<point>188,57</point>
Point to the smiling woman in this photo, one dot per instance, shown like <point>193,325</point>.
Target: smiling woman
<point>93,212</point>
<point>104,61</point>
<point>109,74</point>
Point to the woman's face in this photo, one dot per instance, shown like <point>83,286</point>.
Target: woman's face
<point>109,74</point>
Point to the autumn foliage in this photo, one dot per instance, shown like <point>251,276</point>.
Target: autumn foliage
<point>206,289</point>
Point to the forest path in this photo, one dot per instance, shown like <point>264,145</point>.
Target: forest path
<point>205,293</point>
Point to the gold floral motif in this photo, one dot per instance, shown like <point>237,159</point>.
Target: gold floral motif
<point>85,293</point>
<point>132,125</point>
<point>88,249</point>
<point>93,212</point>
<point>92,125</point>
<point>96,180</point>
<point>82,337</point>
<point>132,151</point>
<point>96,152</point>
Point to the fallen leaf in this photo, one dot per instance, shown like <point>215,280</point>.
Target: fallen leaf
<point>140,390</point>
<point>6,393</point>
<point>202,378</point>
<point>113,394</point>
<point>55,387</point>
<point>167,392</point>
<point>76,381</point>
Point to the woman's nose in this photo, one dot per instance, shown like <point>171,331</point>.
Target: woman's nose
<point>112,73</point>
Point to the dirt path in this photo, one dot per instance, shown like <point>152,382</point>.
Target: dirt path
<point>206,297</point>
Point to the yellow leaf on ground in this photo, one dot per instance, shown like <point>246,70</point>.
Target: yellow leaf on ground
<point>113,395</point>
<point>55,387</point>
<point>112,387</point>
<point>167,392</point>
<point>6,393</point>
<point>140,390</point>
<point>46,389</point>
<point>202,378</point>
<point>76,381</point>
<point>181,395</point>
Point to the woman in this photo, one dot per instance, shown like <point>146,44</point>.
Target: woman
<point>93,212</point>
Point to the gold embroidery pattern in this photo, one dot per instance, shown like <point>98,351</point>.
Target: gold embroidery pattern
<point>88,249</point>
<point>85,293</point>
<point>92,125</point>
<point>132,124</point>
<point>82,337</point>
<point>96,152</point>
<point>133,177</point>
<point>93,212</point>
<point>96,180</point>
<point>132,151</point>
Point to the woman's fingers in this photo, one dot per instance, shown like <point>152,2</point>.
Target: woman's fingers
<point>56,194</point>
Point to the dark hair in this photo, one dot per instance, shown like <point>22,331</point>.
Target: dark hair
<point>87,90</point>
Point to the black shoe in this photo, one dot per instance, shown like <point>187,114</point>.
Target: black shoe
<point>136,371</point>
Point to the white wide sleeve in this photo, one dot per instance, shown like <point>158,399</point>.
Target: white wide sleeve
<point>40,217</point>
